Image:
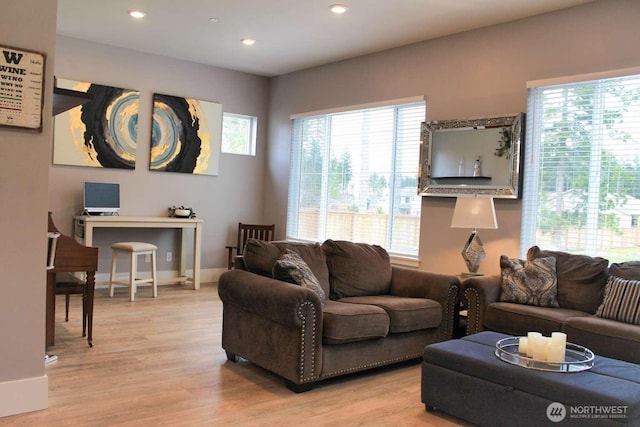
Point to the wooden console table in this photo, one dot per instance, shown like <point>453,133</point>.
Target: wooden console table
<point>85,225</point>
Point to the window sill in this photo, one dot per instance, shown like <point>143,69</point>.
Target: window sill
<point>404,261</point>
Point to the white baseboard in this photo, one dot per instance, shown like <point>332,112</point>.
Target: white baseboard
<point>211,274</point>
<point>25,395</point>
<point>207,275</point>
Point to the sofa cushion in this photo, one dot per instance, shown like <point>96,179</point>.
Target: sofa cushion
<point>405,314</point>
<point>518,319</point>
<point>629,270</point>
<point>621,301</point>
<point>605,337</point>
<point>292,268</point>
<point>529,282</point>
<point>343,322</point>
<point>260,257</point>
<point>357,269</point>
<point>581,278</point>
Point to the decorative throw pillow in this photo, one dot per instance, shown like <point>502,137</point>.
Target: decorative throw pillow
<point>292,268</point>
<point>621,301</point>
<point>529,282</point>
<point>312,254</point>
<point>260,256</point>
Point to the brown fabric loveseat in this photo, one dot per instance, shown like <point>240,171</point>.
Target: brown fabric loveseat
<point>581,284</point>
<point>372,313</point>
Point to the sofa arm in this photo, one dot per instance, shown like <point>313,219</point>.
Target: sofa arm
<point>443,288</point>
<point>477,293</point>
<point>275,324</point>
<point>272,299</point>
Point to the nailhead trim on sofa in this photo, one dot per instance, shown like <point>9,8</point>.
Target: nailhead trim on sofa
<point>473,298</point>
<point>303,331</point>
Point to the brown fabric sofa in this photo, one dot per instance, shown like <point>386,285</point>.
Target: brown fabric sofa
<point>374,314</point>
<point>581,282</point>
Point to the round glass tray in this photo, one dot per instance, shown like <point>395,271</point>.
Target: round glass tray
<point>576,359</point>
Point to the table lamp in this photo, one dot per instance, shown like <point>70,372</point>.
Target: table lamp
<point>474,212</point>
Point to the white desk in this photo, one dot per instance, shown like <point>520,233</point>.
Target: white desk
<point>84,226</point>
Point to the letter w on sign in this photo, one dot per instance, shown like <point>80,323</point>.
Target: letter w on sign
<point>12,57</point>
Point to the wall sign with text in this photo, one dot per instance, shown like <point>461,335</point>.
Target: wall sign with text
<point>21,88</point>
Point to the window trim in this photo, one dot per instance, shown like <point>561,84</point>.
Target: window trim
<point>578,78</point>
<point>365,106</point>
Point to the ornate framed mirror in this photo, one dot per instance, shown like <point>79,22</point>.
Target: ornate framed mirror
<point>473,156</point>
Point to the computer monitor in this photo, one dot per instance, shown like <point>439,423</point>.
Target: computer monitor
<point>101,198</point>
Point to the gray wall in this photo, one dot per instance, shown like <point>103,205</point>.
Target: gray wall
<point>24,176</point>
<point>478,73</point>
<point>221,201</point>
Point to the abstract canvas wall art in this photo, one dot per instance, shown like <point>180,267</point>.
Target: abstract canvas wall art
<point>100,133</point>
<point>185,135</point>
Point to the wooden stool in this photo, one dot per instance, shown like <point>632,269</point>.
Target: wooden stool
<point>133,249</point>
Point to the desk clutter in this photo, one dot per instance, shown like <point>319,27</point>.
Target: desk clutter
<point>181,212</point>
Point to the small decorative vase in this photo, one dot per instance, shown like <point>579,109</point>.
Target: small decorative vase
<point>476,167</point>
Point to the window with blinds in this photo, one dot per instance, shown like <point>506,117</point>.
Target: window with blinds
<point>354,177</point>
<point>582,168</point>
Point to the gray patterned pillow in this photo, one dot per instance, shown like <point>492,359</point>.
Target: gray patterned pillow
<point>292,268</point>
<point>529,282</point>
<point>621,301</point>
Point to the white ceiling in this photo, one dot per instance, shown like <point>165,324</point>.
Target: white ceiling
<point>291,34</point>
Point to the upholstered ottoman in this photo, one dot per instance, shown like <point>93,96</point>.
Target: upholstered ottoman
<point>464,378</point>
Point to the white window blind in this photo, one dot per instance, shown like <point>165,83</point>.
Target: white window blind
<point>354,177</point>
<point>582,168</point>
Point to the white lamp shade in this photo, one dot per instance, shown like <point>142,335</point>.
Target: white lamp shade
<point>474,212</point>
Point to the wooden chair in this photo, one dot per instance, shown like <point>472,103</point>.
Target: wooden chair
<point>68,287</point>
<point>249,231</point>
<point>70,257</point>
<point>71,285</point>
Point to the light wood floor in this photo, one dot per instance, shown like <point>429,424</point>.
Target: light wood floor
<point>160,362</point>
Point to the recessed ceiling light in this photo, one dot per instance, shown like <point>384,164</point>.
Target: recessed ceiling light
<point>138,14</point>
<point>338,9</point>
<point>248,42</point>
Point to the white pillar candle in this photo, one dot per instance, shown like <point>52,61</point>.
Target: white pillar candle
<point>556,353</point>
<point>557,347</point>
<point>558,338</point>
<point>523,345</point>
<point>540,348</point>
<point>531,338</point>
